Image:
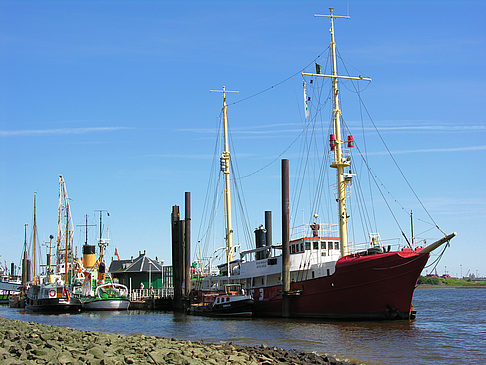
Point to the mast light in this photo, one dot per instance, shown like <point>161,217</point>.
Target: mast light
<point>332,142</point>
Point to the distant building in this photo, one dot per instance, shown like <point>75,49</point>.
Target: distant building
<point>142,271</point>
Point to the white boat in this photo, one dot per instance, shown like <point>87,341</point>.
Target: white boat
<point>109,296</point>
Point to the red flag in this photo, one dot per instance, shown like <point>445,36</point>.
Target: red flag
<point>116,254</point>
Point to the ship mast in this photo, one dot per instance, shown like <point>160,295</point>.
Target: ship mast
<point>340,161</point>
<point>64,231</point>
<point>35,232</point>
<point>225,169</point>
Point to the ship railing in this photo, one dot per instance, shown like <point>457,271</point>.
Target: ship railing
<point>392,244</point>
<point>141,294</point>
<point>323,230</point>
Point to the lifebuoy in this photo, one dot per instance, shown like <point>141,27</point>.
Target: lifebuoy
<point>52,293</point>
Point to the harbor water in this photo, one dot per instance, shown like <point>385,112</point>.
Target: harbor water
<point>450,328</point>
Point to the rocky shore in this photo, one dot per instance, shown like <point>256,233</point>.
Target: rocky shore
<point>34,343</point>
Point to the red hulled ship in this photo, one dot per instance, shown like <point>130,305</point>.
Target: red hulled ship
<point>317,276</point>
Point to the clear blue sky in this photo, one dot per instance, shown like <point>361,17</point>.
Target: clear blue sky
<point>114,95</point>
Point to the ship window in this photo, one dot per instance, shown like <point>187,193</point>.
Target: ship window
<point>227,299</point>
<point>301,247</point>
<point>336,245</point>
<point>323,253</point>
<point>315,245</point>
<point>323,245</point>
<point>313,275</point>
<point>328,272</point>
<point>307,246</point>
<point>292,249</point>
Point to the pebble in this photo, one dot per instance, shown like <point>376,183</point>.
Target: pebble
<point>28,342</point>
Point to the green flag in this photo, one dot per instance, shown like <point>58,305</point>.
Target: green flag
<point>318,69</point>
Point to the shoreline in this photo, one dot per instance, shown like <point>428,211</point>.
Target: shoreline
<point>431,286</point>
<point>31,342</point>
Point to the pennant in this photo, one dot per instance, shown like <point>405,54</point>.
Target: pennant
<point>318,69</point>
<point>305,102</point>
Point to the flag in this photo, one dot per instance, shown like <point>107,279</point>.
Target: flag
<point>116,254</point>
<point>305,102</point>
<point>318,69</point>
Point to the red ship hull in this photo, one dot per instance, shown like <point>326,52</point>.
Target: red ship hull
<point>376,286</point>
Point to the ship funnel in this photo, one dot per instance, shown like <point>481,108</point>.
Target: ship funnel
<point>260,239</point>
<point>89,257</point>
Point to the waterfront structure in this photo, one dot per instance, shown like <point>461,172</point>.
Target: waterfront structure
<point>142,272</point>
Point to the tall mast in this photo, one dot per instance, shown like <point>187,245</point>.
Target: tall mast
<point>225,169</point>
<point>67,246</point>
<point>65,230</point>
<point>340,161</point>
<point>24,271</point>
<point>35,231</point>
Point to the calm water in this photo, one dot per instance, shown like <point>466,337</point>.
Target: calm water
<point>450,328</point>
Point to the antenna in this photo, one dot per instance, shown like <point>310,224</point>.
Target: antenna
<point>86,225</point>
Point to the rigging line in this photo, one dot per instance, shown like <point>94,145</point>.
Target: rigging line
<point>366,154</point>
<point>281,82</point>
<point>399,169</point>
<point>386,202</point>
<point>360,195</point>
<point>240,194</point>
<point>437,260</point>
<point>296,138</point>
<point>206,199</point>
<point>307,148</point>
<point>348,74</point>
<point>319,188</point>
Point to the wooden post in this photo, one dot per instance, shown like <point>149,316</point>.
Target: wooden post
<point>187,246</point>
<point>285,240</point>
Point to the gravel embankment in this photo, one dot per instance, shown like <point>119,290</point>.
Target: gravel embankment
<point>34,343</point>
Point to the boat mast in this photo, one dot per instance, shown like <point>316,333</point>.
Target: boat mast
<point>24,271</point>
<point>67,246</point>
<point>102,243</point>
<point>63,208</point>
<point>35,229</point>
<point>340,161</point>
<point>225,169</point>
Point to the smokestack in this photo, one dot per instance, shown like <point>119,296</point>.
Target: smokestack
<point>268,227</point>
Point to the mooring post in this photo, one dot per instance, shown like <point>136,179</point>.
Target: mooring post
<point>285,240</point>
<point>176,258</point>
<point>187,246</point>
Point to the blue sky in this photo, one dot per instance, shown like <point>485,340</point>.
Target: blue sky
<point>115,97</point>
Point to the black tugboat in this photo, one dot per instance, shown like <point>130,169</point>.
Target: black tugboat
<point>234,302</point>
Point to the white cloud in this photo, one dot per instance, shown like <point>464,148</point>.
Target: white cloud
<point>428,150</point>
<point>58,131</point>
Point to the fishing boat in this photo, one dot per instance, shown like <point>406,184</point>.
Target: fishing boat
<point>52,292</point>
<point>94,287</point>
<point>51,295</point>
<point>316,274</point>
